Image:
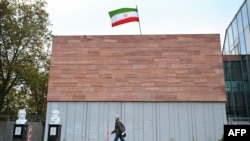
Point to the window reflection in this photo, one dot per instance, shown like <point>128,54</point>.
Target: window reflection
<point>235,30</point>
<point>247,39</point>
<point>230,37</point>
<point>226,47</point>
<point>236,88</point>
<point>237,70</point>
<point>242,44</point>
<point>244,16</point>
<point>240,25</point>
<point>248,9</point>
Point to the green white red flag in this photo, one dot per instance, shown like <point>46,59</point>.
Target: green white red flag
<point>123,15</point>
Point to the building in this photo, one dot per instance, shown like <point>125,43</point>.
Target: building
<point>164,87</point>
<point>236,60</point>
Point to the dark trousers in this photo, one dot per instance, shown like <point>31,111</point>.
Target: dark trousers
<point>119,136</point>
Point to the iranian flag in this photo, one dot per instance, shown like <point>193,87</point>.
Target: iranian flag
<point>123,15</point>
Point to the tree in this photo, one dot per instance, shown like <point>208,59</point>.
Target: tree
<point>37,87</point>
<point>24,34</point>
<point>31,95</point>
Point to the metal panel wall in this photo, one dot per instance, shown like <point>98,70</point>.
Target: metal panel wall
<point>145,121</point>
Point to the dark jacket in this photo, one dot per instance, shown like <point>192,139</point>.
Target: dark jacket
<point>118,128</point>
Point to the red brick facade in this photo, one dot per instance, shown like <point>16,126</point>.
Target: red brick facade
<point>136,68</point>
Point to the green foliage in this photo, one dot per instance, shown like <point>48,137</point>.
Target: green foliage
<point>24,38</point>
<point>37,90</point>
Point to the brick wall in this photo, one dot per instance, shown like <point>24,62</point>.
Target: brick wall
<point>136,68</point>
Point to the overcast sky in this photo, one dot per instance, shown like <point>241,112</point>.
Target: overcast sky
<point>90,17</point>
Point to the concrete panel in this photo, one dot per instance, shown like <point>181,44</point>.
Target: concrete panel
<point>218,110</point>
<point>148,116</point>
<point>78,129</point>
<point>183,120</point>
<point>147,121</point>
<point>70,122</point>
<point>199,122</point>
<point>164,122</point>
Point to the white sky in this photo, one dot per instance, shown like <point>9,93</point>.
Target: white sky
<point>90,17</point>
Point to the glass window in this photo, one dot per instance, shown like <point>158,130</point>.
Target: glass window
<point>247,37</point>
<point>236,89</point>
<point>232,52</point>
<point>248,9</point>
<point>226,47</point>
<point>242,44</point>
<point>236,46</point>
<point>230,105</point>
<point>227,85</point>
<point>237,49</point>
<point>240,104</point>
<point>244,69</point>
<point>248,102</point>
<point>245,16</point>
<point>235,30</point>
<point>239,20</point>
<point>236,105</point>
<point>248,63</point>
<point>230,37</point>
<point>227,73</point>
<point>236,71</point>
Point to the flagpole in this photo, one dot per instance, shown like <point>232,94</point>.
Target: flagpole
<point>139,19</point>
